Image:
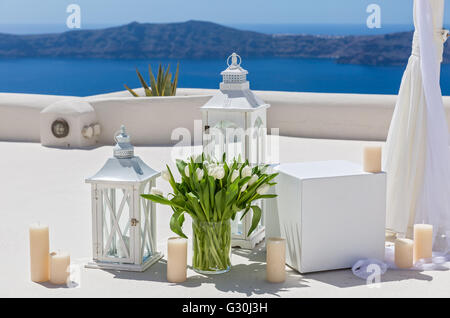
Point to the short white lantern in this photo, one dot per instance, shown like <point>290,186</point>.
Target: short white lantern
<point>235,123</point>
<point>123,223</point>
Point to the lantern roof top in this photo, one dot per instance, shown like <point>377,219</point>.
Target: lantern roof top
<point>234,66</point>
<point>235,100</point>
<point>235,93</point>
<point>124,167</point>
<point>130,170</point>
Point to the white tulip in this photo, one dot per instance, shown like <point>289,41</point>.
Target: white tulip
<point>165,175</point>
<point>186,171</point>
<point>156,191</point>
<point>234,175</point>
<point>263,189</point>
<point>246,171</point>
<point>211,170</point>
<point>199,173</point>
<point>219,172</point>
<point>206,164</point>
<point>244,187</point>
<point>253,179</point>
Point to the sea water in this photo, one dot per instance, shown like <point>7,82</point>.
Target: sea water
<point>83,77</point>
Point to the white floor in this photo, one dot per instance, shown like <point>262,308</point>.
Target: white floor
<point>47,185</point>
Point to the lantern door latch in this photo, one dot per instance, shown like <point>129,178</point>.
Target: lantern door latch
<point>134,222</point>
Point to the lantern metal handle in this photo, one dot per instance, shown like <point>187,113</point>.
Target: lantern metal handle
<point>234,60</point>
<point>123,148</point>
<point>122,131</point>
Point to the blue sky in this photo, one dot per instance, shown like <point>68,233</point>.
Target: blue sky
<point>221,11</point>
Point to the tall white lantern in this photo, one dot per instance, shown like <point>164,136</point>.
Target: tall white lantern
<point>123,223</point>
<point>235,122</point>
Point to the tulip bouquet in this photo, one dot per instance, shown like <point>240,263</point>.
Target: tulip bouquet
<point>212,193</point>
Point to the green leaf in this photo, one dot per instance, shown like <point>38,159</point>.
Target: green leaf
<point>245,212</point>
<point>147,89</point>
<point>181,165</point>
<point>161,200</point>
<point>153,82</point>
<point>164,84</point>
<point>255,219</point>
<point>220,200</point>
<point>156,198</point>
<point>270,177</point>
<point>175,81</point>
<point>176,223</point>
<point>266,196</point>
<point>131,91</point>
<point>205,200</point>
<point>168,86</point>
<point>172,181</point>
<point>193,200</point>
<point>232,193</point>
<point>159,79</point>
<point>212,190</point>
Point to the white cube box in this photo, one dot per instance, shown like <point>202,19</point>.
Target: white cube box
<point>331,213</point>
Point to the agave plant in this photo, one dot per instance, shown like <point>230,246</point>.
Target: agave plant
<point>161,86</point>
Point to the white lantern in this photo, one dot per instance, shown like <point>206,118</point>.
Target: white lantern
<point>235,123</point>
<point>123,223</point>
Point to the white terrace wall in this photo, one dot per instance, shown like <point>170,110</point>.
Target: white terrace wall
<point>333,116</point>
<point>151,120</point>
<point>19,115</point>
<point>328,116</point>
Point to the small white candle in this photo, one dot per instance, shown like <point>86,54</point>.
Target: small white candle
<point>276,260</point>
<point>423,241</point>
<point>39,249</point>
<point>372,159</point>
<point>404,253</point>
<point>59,267</point>
<point>176,259</point>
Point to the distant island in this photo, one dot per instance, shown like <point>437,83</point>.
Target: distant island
<point>204,40</point>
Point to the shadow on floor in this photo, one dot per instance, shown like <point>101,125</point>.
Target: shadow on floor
<point>345,278</point>
<point>341,278</point>
<point>247,279</point>
<point>63,286</point>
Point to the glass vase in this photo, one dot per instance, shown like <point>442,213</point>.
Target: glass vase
<point>212,247</point>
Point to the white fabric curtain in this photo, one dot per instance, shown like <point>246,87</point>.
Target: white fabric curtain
<point>417,156</point>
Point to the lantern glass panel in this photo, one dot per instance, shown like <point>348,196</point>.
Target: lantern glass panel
<point>238,226</point>
<point>241,227</point>
<point>148,246</point>
<point>116,206</point>
<point>227,137</point>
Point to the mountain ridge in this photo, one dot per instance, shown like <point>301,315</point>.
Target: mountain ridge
<point>200,39</point>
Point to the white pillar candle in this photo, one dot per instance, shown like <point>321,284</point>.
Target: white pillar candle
<point>404,253</point>
<point>176,259</point>
<point>59,267</point>
<point>423,241</point>
<point>372,159</point>
<point>39,249</point>
<point>276,260</point>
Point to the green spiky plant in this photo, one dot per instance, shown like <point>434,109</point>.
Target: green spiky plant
<point>161,86</point>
